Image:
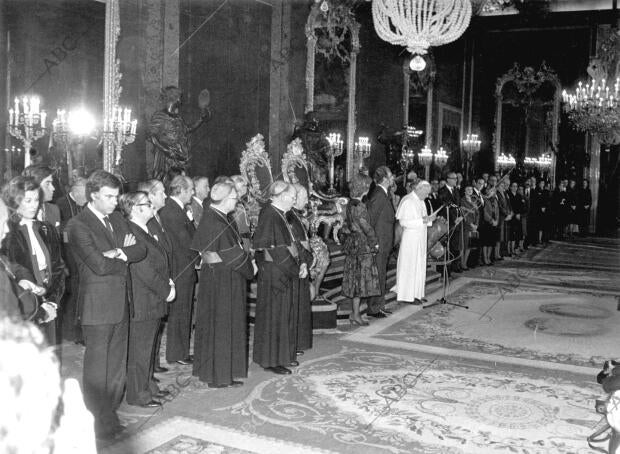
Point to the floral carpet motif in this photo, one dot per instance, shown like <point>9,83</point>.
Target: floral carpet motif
<point>383,402</point>
<point>513,319</point>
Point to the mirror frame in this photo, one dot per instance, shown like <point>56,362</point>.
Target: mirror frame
<point>428,132</point>
<point>314,22</point>
<point>511,76</point>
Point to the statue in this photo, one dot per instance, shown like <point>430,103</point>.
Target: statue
<point>315,145</point>
<point>169,133</point>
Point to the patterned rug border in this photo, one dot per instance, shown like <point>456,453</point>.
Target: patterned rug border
<point>168,429</point>
<point>366,336</point>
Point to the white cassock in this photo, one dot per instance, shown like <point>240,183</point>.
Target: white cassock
<point>411,269</point>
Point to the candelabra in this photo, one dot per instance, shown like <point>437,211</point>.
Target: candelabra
<point>119,130</point>
<point>335,149</point>
<point>27,124</point>
<point>425,157</point>
<point>471,145</point>
<point>504,162</point>
<point>594,109</point>
<point>9,153</point>
<point>408,154</point>
<point>362,150</point>
<point>72,128</point>
<point>407,158</point>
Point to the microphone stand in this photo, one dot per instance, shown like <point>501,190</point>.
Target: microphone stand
<point>445,276</point>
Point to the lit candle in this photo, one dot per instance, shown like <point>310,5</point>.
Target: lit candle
<point>11,117</point>
<point>16,108</point>
<point>26,106</point>
<point>43,118</point>
<point>134,124</point>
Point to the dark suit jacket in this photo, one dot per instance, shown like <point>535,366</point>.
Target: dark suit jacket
<point>103,281</point>
<point>381,214</point>
<point>157,230</point>
<point>197,210</point>
<point>51,214</point>
<point>16,247</point>
<point>181,232</point>
<point>68,208</point>
<point>149,279</point>
<point>446,198</point>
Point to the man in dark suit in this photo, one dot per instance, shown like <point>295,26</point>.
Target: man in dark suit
<point>151,289</point>
<point>201,190</point>
<point>180,228</point>
<point>71,205</point>
<point>381,214</point>
<point>103,246</point>
<point>449,197</point>
<point>157,196</point>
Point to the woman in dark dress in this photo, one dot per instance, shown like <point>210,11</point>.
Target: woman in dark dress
<point>279,270</point>
<point>517,203</point>
<point>489,227</point>
<point>220,344</point>
<point>34,247</point>
<point>540,211</point>
<point>304,306</point>
<point>471,212</point>
<point>360,276</point>
<point>574,208</point>
<point>586,203</point>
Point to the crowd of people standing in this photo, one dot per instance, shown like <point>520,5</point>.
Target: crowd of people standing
<point>115,270</point>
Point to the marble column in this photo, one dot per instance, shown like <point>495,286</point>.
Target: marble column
<point>594,175</point>
<point>280,107</point>
<point>160,66</point>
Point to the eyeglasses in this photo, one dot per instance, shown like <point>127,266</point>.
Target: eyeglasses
<point>146,204</point>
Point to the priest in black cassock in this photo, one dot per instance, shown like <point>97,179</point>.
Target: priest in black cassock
<point>279,268</point>
<point>220,342</point>
<point>304,305</point>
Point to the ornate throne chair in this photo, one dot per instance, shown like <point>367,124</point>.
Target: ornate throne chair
<point>255,166</point>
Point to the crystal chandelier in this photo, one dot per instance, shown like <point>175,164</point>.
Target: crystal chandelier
<point>471,145</point>
<point>420,24</point>
<point>594,109</point>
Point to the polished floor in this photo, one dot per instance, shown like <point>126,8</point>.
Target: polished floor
<point>515,372</point>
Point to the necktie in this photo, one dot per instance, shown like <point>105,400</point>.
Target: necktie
<point>108,225</point>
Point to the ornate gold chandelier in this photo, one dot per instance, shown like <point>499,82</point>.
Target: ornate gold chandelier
<point>594,109</point>
<point>420,24</point>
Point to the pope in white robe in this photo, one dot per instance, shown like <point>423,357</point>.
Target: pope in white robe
<point>411,268</point>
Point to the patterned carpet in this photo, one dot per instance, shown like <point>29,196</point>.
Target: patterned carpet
<point>514,373</point>
<point>516,323</point>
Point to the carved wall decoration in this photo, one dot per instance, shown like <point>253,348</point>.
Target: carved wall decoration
<point>537,93</point>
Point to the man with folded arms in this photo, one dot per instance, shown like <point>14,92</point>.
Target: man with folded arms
<point>151,289</point>
<point>103,247</point>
